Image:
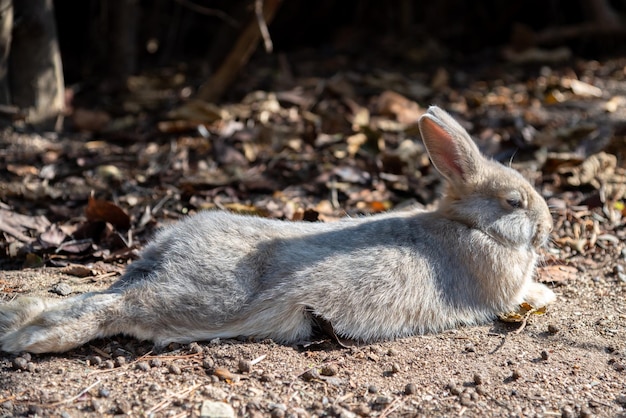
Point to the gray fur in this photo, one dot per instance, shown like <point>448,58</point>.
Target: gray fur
<point>217,274</point>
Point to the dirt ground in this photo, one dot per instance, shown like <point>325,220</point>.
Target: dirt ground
<point>568,362</point>
<point>337,142</point>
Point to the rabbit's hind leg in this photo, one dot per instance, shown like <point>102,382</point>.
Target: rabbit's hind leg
<point>45,325</point>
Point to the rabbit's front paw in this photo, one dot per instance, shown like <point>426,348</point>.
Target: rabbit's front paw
<point>538,295</point>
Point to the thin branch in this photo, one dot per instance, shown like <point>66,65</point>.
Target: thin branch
<point>73,398</point>
<point>209,12</point>
<point>265,33</point>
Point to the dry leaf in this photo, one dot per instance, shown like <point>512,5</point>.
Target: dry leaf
<point>404,110</point>
<point>556,273</point>
<point>52,237</point>
<point>104,211</point>
<point>77,270</point>
<point>525,310</point>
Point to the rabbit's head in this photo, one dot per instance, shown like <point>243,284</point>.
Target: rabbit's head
<point>483,194</point>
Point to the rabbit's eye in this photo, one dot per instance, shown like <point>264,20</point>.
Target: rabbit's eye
<point>515,202</point>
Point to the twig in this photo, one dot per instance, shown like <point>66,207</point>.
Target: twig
<point>102,353</point>
<point>265,33</point>
<point>390,408</point>
<point>209,12</point>
<point>258,359</point>
<point>524,322</point>
<point>10,398</point>
<point>73,398</point>
<point>166,402</point>
<point>149,356</point>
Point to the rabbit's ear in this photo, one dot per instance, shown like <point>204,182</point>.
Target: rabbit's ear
<point>453,153</point>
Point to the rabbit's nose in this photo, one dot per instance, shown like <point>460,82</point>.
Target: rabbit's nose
<point>542,232</point>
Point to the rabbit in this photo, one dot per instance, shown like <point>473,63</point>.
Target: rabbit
<point>378,277</point>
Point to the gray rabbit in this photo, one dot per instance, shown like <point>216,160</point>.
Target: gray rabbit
<point>380,277</point>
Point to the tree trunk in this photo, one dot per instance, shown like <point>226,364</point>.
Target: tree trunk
<point>6,25</point>
<point>35,69</point>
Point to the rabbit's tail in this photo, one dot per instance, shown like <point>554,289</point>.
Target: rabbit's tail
<point>40,325</point>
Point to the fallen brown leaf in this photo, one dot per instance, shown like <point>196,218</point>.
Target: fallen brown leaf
<point>102,210</point>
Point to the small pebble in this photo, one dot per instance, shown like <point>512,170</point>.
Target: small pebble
<point>410,389</point>
<point>466,399</point>
<point>395,368</point>
<point>156,362</point>
<point>585,412</point>
<point>97,405</point>
<point>195,348</point>
<point>31,367</point>
<point>267,377</point>
<point>244,366</point>
<point>95,360</point>
<point>553,329</point>
<point>311,374</point>
<point>469,348</point>
<point>20,363</point>
<point>516,374</point>
<point>36,410</point>
<point>478,379</point>
<point>481,390</point>
<point>329,370</point>
<point>26,356</point>
<point>317,406</point>
<point>277,413</point>
<point>372,389</point>
<point>392,352</point>
<point>208,363</point>
<point>120,361</point>
<point>213,409</point>
<point>104,392</point>
<point>382,400</point>
<point>61,289</point>
<point>454,390</point>
<point>544,355</point>
<point>109,364</point>
<point>567,412</point>
<point>142,366</point>
<point>123,407</point>
<point>174,369</point>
